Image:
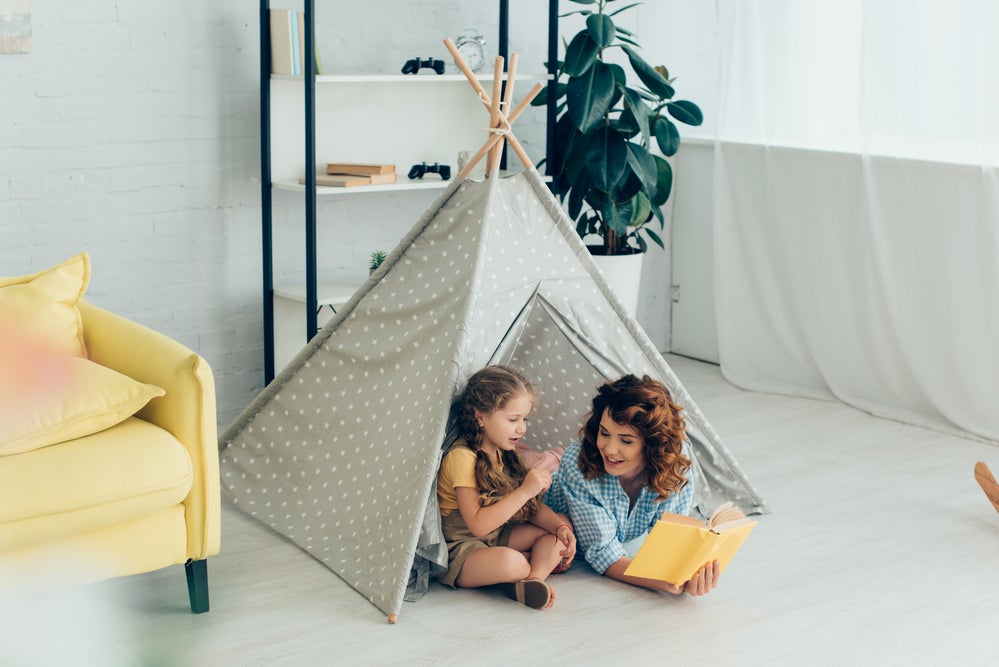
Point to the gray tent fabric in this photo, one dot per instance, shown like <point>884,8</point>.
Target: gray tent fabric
<point>340,452</point>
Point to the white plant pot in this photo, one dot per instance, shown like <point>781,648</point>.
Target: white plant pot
<point>624,274</point>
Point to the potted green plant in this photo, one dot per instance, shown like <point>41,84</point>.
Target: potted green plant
<point>605,171</point>
<point>375,260</point>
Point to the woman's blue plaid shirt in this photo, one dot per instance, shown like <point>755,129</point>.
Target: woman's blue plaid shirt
<point>599,512</point>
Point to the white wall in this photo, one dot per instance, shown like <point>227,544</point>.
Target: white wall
<point>694,326</point>
<point>131,132</point>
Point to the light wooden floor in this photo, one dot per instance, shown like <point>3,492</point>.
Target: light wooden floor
<point>880,550</point>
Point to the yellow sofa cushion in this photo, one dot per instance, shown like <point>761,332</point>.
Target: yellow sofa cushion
<point>47,398</point>
<point>43,306</point>
<point>127,471</point>
<point>146,543</point>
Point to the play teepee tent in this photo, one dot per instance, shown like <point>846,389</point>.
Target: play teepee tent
<point>340,452</point>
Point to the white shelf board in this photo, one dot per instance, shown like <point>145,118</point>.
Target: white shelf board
<point>328,293</point>
<point>407,78</point>
<point>295,186</point>
<point>433,184</point>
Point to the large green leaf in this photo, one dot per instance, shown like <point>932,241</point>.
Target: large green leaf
<point>654,237</point>
<point>641,211</point>
<point>658,212</point>
<point>638,108</point>
<point>595,198</point>
<point>620,81</point>
<point>617,215</point>
<point>667,135</point>
<point>572,147</point>
<point>627,189</point>
<point>541,99</point>
<point>607,159</point>
<point>601,29</point>
<point>686,112</point>
<point>643,164</point>
<point>626,124</point>
<point>589,97</point>
<point>620,76</point>
<point>580,54</point>
<point>648,74</point>
<point>642,245</point>
<point>563,141</point>
<point>664,181</point>
<point>629,40</point>
<point>646,95</point>
<point>577,196</point>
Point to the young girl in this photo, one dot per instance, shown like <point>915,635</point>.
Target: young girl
<point>628,467</point>
<point>496,528</point>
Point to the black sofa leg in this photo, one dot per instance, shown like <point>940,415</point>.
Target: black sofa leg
<point>197,584</point>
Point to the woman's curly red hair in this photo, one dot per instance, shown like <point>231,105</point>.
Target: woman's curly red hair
<point>645,405</point>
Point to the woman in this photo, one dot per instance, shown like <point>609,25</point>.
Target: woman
<point>628,467</point>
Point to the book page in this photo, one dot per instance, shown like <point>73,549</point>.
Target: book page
<point>723,512</point>
<point>729,525</point>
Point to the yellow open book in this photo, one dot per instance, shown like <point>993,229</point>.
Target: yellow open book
<point>677,545</point>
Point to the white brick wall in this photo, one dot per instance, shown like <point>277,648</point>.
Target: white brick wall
<point>131,132</point>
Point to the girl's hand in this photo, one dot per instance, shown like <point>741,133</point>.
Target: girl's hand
<point>703,580</point>
<point>536,481</point>
<point>565,535</point>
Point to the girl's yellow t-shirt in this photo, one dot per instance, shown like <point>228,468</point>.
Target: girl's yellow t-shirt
<point>457,469</point>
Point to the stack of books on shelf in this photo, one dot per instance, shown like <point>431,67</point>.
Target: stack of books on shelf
<point>288,43</point>
<point>352,174</point>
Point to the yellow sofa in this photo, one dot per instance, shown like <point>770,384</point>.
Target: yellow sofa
<point>136,497</point>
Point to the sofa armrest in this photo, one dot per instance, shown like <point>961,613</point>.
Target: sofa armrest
<point>187,410</point>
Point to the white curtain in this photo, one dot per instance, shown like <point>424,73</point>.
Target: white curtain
<point>857,205</point>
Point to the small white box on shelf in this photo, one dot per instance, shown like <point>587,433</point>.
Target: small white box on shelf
<point>289,315</point>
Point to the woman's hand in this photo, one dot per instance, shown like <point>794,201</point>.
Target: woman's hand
<point>536,481</point>
<point>703,580</point>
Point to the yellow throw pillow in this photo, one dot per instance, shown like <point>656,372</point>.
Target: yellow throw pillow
<point>48,398</point>
<point>42,306</point>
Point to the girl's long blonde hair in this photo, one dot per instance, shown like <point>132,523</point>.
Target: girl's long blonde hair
<point>489,390</point>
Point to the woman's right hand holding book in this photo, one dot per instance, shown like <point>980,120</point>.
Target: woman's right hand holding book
<point>703,580</point>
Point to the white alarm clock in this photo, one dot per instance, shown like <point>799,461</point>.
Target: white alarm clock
<point>472,47</point>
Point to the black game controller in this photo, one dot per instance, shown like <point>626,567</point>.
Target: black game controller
<point>419,170</point>
<point>414,65</point>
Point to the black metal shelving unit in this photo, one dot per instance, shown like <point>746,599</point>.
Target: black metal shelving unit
<point>266,189</point>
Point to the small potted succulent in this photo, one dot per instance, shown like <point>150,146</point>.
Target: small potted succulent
<point>376,259</point>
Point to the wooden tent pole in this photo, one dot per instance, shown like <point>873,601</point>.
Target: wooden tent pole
<point>507,120</point>
<point>466,70</point>
<point>492,164</point>
<point>494,139</point>
<point>510,137</point>
<point>507,104</point>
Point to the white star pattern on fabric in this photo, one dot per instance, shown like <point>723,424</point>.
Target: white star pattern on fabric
<point>342,458</point>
